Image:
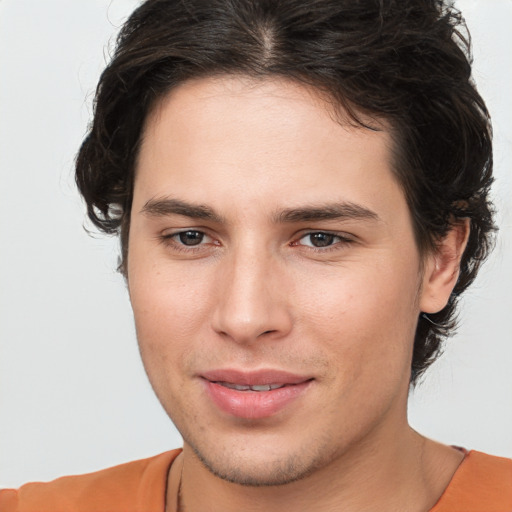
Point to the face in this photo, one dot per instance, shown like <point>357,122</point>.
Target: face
<point>274,278</point>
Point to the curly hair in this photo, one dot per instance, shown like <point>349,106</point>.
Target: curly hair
<point>405,61</point>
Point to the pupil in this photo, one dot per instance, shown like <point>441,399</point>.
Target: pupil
<point>321,239</point>
<point>191,237</point>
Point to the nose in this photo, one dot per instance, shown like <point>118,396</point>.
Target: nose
<point>251,299</point>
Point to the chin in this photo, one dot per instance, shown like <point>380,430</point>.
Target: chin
<point>260,467</point>
<point>271,473</point>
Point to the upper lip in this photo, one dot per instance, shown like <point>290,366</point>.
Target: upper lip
<point>254,377</point>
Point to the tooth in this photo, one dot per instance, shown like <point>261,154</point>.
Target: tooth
<point>256,387</point>
<point>261,387</point>
<point>238,387</point>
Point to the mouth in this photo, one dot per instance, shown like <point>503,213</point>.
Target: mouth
<point>255,387</point>
<point>254,395</point>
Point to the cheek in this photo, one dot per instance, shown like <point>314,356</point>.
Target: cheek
<point>364,319</point>
<point>170,311</point>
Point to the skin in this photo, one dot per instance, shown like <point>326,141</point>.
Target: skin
<point>255,293</point>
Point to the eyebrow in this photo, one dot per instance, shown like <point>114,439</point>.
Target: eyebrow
<point>331,211</point>
<point>162,207</point>
<point>168,206</point>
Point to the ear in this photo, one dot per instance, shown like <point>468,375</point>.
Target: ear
<point>442,267</point>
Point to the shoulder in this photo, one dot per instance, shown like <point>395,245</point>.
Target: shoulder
<point>134,486</point>
<point>482,483</point>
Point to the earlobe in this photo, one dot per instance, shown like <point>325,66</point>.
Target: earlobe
<point>442,268</point>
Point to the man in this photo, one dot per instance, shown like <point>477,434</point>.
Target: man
<point>301,190</point>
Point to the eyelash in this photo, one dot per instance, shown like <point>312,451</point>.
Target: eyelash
<point>342,240</point>
<point>171,240</point>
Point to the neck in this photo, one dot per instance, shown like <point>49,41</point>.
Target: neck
<point>404,472</point>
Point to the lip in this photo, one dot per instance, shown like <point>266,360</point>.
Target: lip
<point>254,378</point>
<point>254,404</point>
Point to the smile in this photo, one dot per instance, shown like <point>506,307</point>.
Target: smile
<point>255,387</point>
<point>254,395</point>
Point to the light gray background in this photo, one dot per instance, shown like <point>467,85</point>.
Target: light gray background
<point>73,394</point>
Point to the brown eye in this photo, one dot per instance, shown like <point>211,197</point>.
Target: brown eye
<point>191,237</point>
<point>320,239</point>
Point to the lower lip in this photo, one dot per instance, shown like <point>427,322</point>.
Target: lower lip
<point>254,404</point>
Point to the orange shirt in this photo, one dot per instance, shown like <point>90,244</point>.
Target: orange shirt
<point>482,483</point>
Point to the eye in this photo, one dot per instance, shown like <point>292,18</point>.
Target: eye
<point>190,237</point>
<point>318,239</point>
<point>322,239</point>
<point>187,240</point>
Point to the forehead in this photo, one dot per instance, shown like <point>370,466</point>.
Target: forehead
<point>214,140</point>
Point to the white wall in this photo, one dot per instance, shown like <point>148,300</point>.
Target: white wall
<point>73,394</point>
